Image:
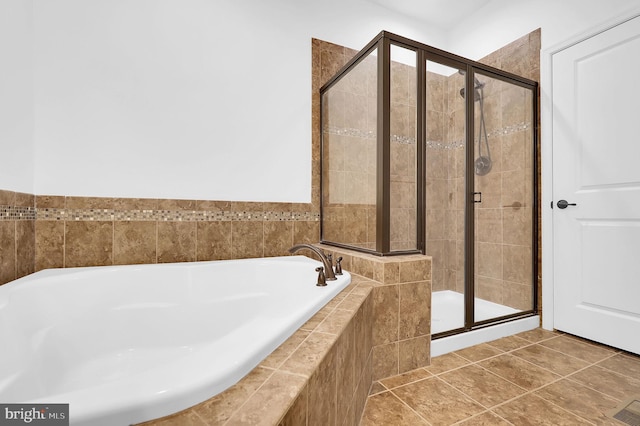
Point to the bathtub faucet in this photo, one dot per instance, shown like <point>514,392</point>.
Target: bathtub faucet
<point>328,267</point>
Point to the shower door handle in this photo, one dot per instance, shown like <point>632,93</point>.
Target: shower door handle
<point>563,204</point>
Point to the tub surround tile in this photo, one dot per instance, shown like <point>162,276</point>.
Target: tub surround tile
<point>213,241</point>
<point>413,353</point>
<point>277,238</point>
<point>385,360</point>
<point>49,245</point>
<point>89,203</point>
<point>25,247</point>
<point>414,309</point>
<point>7,251</point>
<point>346,375</point>
<point>157,226</point>
<point>220,408</point>
<point>247,239</point>
<point>88,243</point>
<point>273,397</point>
<point>136,204</point>
<point>176,242</point>
<point>309,354</point>
<point>313,378</point>
<point>7,198</point>
<point>280,355</point>
<point>183,418</point>
<point>386,314</point>
<point>50,202</point>
<point>25,200</point>
<point>297,414</point>
<point>17,235</point>
<point>134,243</point>
<point>337,322</point>
<point>323,392</point>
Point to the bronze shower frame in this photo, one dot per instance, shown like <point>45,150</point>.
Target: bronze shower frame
<point>382,43</point>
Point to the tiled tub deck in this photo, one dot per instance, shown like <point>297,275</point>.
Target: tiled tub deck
<point>322,374</point>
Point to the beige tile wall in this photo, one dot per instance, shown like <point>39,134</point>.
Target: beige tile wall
<point>401,308</point>
<point>84,231</point>
<point>39,232</point>
<point>17,235</point>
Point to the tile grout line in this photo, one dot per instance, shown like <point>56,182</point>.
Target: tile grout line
<point>410,408</point>
<point>532,392</point>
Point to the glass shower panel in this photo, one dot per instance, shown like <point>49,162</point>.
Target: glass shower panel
<point>502,165</point>
<point>403,148</point>
<point>349,157</point>
<point>445,194</point>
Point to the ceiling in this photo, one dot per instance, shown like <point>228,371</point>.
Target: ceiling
<point>441,13</point>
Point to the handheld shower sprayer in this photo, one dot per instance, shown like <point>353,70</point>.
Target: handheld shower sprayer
<point>482,165</point>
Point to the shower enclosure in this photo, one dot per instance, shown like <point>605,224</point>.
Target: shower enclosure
<point>424,151</point>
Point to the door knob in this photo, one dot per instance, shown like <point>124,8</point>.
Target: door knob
<point>563,204</point>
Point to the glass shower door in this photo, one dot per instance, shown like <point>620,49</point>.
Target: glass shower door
<point>503,198</point>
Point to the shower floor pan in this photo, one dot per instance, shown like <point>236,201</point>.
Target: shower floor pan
<point>447,313</point>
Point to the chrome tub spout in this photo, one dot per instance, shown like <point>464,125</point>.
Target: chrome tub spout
<point>328,267</point>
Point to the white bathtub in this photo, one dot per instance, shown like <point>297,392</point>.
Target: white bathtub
<point>125,344</point>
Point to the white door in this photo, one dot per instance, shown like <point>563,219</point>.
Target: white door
<point>596,165</point>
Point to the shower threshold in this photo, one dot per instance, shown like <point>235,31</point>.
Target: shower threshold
<point>447,313</point>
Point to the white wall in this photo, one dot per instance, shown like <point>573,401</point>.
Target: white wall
<point>16,96</point>
<point>502,21</point>
<point>199,98</point>
<point>193,99</point>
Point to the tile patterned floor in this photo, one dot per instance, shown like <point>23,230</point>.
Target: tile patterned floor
<point>533,378</point>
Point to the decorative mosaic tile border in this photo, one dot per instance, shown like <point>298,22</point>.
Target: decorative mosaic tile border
<point>171,215</point>
<point>31,213</point>
<point>17,213</point>
<point>430,144</point>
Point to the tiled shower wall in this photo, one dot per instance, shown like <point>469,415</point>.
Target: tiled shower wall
<point>350,147</point>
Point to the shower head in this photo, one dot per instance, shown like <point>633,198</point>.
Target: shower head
<point>478,85</point>
<point>477,94</point>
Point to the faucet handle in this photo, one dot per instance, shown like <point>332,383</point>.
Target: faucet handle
<point>322,279</point>
<point>339,266</point>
